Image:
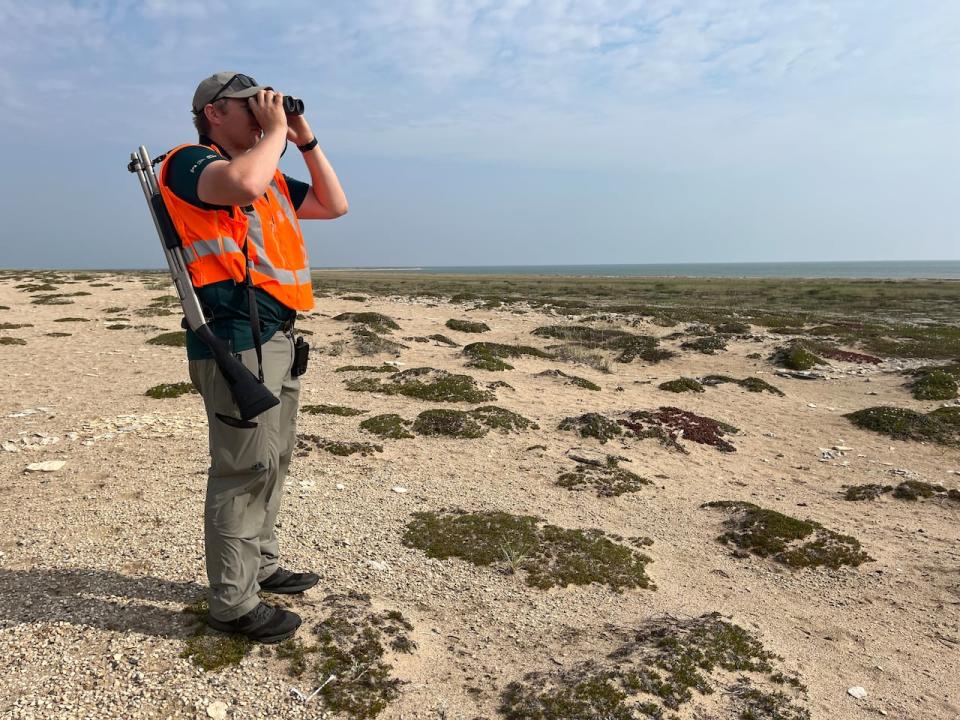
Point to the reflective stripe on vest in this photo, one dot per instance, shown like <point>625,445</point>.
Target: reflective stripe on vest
<point>199,248</point>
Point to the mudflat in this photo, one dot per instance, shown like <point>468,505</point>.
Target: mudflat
<point>526,497</point>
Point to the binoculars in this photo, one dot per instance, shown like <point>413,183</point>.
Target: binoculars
<point>292,105</point>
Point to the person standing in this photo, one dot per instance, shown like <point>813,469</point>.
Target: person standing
<point>238,218</point>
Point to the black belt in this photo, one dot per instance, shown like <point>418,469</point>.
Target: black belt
<point>287,325</point>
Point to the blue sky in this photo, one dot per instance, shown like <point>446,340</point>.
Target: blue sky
<point>512,131</point>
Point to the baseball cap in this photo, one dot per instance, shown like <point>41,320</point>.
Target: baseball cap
<point>224,84</point>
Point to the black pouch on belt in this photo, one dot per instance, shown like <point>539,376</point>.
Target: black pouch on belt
<point>301,353</point>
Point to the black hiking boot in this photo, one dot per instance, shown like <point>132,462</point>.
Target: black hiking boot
<point>263,624</point>
<point>285,582</point>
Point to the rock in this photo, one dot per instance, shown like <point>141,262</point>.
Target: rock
<point>340,486</point>
<point>46,466</point>
<point>10,447</point>
<point>400,490</point>
<point>217,710</point>
<point>377,565</point>
<point>857,692</point>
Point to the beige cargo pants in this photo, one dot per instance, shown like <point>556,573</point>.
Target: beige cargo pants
<point>245,480</point>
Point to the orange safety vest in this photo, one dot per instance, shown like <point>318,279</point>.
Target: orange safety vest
<point>213,241</point>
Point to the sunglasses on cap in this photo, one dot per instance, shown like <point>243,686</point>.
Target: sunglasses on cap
<point>237,82</point>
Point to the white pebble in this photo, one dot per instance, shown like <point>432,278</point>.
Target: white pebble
<point>856,691</point>
<point>217,710</point>
<point>46,466</point>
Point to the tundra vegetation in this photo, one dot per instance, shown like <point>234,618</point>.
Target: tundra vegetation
<point>909,490</point>
<point>170,390</point>
<point>791,542</point>
<point>307,442</point>
<point>935,382</point>
<point>664,665</point>
<point>467,326</point>
<point>629,346</point>
<point>940,426</point>
<point>546,555</point>
<point>886,318</point>
<point>489,356</point>
<point>347,655</point>
<point>425,383</point>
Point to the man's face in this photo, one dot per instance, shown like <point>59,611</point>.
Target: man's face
<point>238,125</point>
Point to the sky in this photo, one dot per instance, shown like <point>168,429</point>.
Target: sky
<point>508,132</point>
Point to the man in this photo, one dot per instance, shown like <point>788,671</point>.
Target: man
<point>238,218</point>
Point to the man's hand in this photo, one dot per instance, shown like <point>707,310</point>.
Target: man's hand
<point>267,109</point>
<point>298,130</point>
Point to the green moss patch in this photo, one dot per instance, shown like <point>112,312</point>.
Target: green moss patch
<point>656,668</point>
<point>154,311</point>
<point>471,424</point>
<point>348,658</point>
<point>592,425</point>
<point>209,650</point>
<point>449,423</point>
<point>947,415</point>
<point>14,326</point>
<point>631,346</point>
<point>608,481</point>
<point>904,424</point>
<point>909,490</point>
<point>466,326</point>
<point>751,384</point>
<point>367,368</point>
<point>792,542</point>
<point>497,418</point>
<point>870,491</point>
<point>375,321</point>
<point>935,382</point>
<point>42,287</point>
<point>57,298</point>
<point>681,385</point>
<point>915,489</point>
<point>12,341</point>
<point>584,335</point>
<point>170,390</point>
<point>707,344</point>
<point>796,356</point>
<point>177,338</point>
<point>571,379</point>
<point>425,384</point>
<point>489,356</point>
<point>548,555</point>
<point>444,340</point>
<point>306,443</point>
<point>340,410</point>
<point>732,328</point>
<point>167,301</point>
<point>368,342</point>
<point>390,426</point>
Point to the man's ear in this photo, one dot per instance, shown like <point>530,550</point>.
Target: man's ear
<point>211,113</point>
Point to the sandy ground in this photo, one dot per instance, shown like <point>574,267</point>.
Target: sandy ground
<point>99,558</point>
